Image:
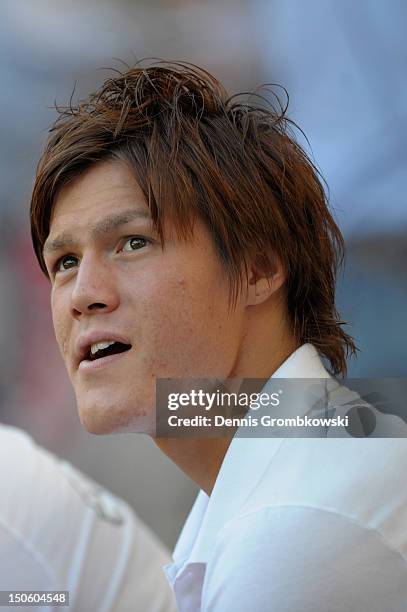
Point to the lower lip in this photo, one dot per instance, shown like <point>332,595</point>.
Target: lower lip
<point>98,364</point>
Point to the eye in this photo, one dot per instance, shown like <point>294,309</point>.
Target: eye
<point>135,243</point>
<point>65,263</point>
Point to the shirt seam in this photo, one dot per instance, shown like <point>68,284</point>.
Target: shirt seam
<point>38,558</point>
<point>344,515</point>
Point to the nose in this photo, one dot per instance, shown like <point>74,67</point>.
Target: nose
<point>95,289</point>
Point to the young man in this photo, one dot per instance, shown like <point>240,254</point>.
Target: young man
<point>186,235</point>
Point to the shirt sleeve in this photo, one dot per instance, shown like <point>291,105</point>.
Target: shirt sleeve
<point>290,558</point>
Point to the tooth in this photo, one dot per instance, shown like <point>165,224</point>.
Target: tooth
<point>99,346</point>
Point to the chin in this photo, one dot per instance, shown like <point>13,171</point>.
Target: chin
<point>110,420</point>
<point>95,424</point>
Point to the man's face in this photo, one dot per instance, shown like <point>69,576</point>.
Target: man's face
<point>111,280</point>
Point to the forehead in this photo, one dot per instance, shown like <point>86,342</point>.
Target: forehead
<point>107,187</point>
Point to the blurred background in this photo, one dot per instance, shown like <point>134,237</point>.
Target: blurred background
<point>343,64</point>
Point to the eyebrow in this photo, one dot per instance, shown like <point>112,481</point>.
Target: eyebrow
<point>102,227</point>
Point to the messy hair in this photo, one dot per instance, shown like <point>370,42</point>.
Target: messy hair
<point>234,163</point>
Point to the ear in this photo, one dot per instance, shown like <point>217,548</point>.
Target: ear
<point>260,284</point>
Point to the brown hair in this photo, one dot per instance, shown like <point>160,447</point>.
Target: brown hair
<point>196,151</point>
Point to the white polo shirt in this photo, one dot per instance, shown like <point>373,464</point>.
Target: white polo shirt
<point>59,530</point>
<point>317,525</point>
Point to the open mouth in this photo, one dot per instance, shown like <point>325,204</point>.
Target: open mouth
<point>103,349</point>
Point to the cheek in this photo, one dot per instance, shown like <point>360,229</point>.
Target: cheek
<point>59,321</point>
<point>187,328</point>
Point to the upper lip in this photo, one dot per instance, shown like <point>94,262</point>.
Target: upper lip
<point>85,341</point>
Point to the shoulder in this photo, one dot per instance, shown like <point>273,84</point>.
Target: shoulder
<point>359,478</point>
<point>35,479</point>
<point>324,522</point>
<point>13,440</point>
<point>66,531</point>
<point>47,504</point>
<point>303,558</point>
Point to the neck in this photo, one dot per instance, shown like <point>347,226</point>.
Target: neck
<point>201,458</point>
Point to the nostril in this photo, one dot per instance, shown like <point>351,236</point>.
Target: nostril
<point>96,305</point>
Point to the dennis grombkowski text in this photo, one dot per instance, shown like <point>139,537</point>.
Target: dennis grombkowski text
<point>250,421</point>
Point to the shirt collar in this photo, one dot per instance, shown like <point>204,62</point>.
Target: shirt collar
<point>243,466</point>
